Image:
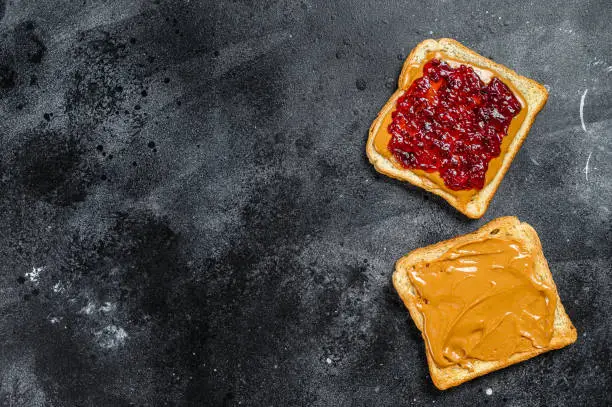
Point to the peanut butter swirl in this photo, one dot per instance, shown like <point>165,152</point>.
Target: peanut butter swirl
<point>483,301</point>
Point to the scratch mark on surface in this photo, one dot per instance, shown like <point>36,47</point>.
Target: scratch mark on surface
<point>609,69</point>
<point>102,16</point>
<point>582,110</point>
<point>565,380</point>
<point>242,52</point>
<point>533,160</point>
<point>586,167</point>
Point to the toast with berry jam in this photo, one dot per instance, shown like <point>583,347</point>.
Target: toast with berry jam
<point>454,124</point>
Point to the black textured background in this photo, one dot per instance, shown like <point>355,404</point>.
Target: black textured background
<point>187,215</point>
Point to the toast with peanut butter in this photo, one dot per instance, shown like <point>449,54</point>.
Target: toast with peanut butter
<point>483,301</point>
<point>454,124</point>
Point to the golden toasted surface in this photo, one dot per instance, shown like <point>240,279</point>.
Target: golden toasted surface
<point>445,376</point>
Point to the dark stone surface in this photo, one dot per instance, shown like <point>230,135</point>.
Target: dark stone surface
<point>187,215</point>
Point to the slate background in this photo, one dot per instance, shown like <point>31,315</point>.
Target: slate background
<point>187,215</point>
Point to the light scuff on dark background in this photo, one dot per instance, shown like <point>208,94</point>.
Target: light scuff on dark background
<point>187,215</point>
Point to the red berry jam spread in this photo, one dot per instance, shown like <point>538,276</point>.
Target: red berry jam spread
<point>450,121</point>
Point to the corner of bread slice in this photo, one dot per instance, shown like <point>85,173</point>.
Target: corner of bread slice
<point>416,56</point>
<point>431,252</point>
<point>401,281</point>
<point>473,209</point>
<point>535,96</point>
<point>564,332</point>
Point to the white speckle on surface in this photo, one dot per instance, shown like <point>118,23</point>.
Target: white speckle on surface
<point>489,391</point>
<point>431,32</point>
<point>582,110</point>
<point>88,309</point>
<point>377,389</point>
<point>329,361</point>
<point>108,307</point>
<point>34,275</point>
<point>586,167</point>
<point>58,287</point>
<point>54,320</point>
<point>111,337</point>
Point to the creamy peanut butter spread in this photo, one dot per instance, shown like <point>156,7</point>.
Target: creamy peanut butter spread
<point>483,301</point>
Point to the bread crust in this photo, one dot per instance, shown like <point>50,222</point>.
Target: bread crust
<point>534,94</point>
<point>564,332</point>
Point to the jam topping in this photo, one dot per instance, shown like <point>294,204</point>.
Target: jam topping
<point>483,301</point>
<point>451,122</point>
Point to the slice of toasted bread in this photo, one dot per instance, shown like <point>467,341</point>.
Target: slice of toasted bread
<point>564,332</point>
<point>533,94</point>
